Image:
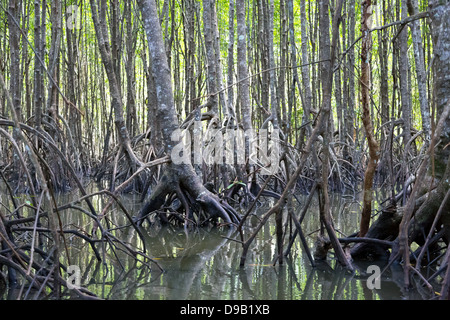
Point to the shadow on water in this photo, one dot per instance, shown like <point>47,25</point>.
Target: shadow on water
<point>204,264</point>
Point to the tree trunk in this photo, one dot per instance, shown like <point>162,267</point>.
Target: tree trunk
<point>274,104</point>
<point>37,93</point>
<point>14,36</point>
<point>131,38</point>
<point>99,18</point>
<point>328,55</point>
<point>243,78</point>
<point>54,58</point>
<point>217,59</point>
<point>366,118</point>
<point>177,177</point>
<point>405,90</point>
<point>230,63</point>
<point>440,24</point>
<point>15,80</point>
<point>420,71</point>
<point>383,49</point>
<point>350,123</point>
<point>212,102</point>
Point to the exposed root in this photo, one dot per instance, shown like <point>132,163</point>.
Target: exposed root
<point>192,195</point>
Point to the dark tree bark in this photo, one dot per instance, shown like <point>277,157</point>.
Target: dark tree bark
<point>39,39</point>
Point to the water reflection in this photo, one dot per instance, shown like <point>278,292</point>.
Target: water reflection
<point>204,264</point>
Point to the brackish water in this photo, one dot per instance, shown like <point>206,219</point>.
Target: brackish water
<point>204,264</point>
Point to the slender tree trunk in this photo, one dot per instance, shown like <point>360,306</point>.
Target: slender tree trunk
<point>37,93</point>
<point>384,92</point>
<point>243,75</point>
<point>281,91</point>
<point>274,105</point>
<point>15,76</point>
<point>306,87</point>
<point>190,45</point>
<point>230,64</point>
<point>350,121</point>
<point>218,59</point>
<point>131,38</point>
<point>55,49</point>
<point>212,102</point>
<point>367,120</point>
<point>405,90</point>
<point>420,71</point>
<point>99,18</point>
<point>328,55</point>
<point>14,36</point>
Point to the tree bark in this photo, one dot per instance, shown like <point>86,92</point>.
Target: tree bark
<point>440,24</point>
<point>366,118</point>
<point>230,63</point>
<point>274,104</point>
<point>420,71</point>
<point>328,55</point>
<point>243,78</point>
<point>14,36</point>
<point>54,58</point>
<point>99,19</point>
<point>15,78</point>
<point>177,177</point>
<point>38,87</point>
<point>212,102</point>
<point>131,38</point>
<point>405,90</point>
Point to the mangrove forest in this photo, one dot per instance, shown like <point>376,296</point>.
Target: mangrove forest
<point>226,149</point>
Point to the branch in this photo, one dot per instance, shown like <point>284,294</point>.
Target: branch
<point>402,24</point>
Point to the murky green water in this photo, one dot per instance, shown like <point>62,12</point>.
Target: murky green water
<point>204,264</point>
